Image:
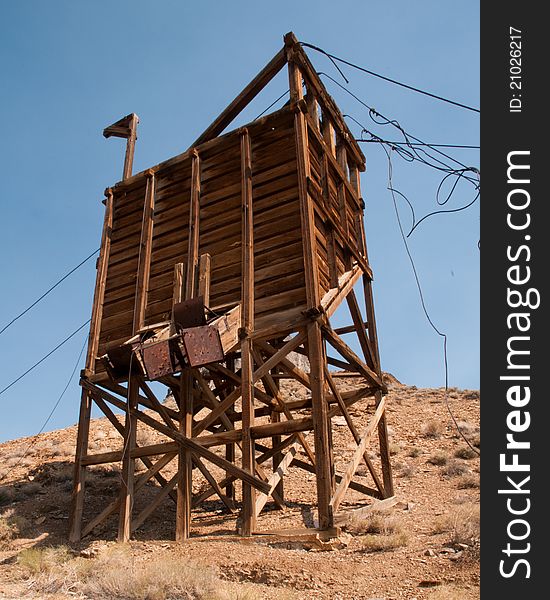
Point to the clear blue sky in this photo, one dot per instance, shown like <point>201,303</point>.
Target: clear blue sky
<point>69,68</point>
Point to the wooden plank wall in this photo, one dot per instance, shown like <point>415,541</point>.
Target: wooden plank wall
<point>279,277</point>
<point>335,197</point>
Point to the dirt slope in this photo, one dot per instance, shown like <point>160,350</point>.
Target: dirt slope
<point>426,546</point>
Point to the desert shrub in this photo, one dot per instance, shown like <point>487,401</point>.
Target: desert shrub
<point>379,532</point>
<point>167,578</point>
<point>438,459</point>
<point>116,575</point>
<point>394,449</point>
<point>414,452</point>
<point>406,471</point>
<point>466,428</point>
<point>465,453</point>
<point>432,429</point>
<point>468,482</point>
<point>463,525</point>
<point>43,560</point>
<point>455,468</point>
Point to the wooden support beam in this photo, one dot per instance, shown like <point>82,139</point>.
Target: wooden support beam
<point>204,278</point>
<point>241,101</point>
<point>122,391</point>
<point>314,83</point>
<point>195,445</point>
<point>79,476</point>
<point>120,428</point>
<point>153,471</point>
<point>128,464</point>
<point>342,237</point>
<point>358,487</point>
<point>307,213</point>
<point>357,456</point>
<point>177,290</point>
<point>161,495</point>
<point>272,388</point>
<point>194,212</point>
<point>340,346</point>
<point>247,327</point>
<point>334,297</point>
<point>286,364</point>
<point>101,277</point>
<point>276,358</point>
<point>356,435</point>
<point>184,477</point>
<point>230,448</point>
<point>368,351</point>
<point>213,484</point>
<point>144,257</point>
<point>125,128</point>
<point>321,424</point>
<point>277,476</point>
<point>359,514</point>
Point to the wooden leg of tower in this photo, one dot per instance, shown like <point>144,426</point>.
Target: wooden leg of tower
<point>230,448</point>
<point>323,451</point>
<point>75,527</point>
<point>278,456</point>
<point>185,465</point>
<point>249,493</point>
<point>128,464</point>
<point>384,451</point>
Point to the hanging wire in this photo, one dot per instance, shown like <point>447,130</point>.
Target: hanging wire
<point>334,58</point>
<point>44,425</point>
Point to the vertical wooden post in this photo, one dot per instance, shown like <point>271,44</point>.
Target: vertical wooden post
<point>323,451</point>
<point>75,525</point>
<point>194,212</point>
<point>275,441</point>
<point>230,448</point>
<point>130,146</point>
<point>128,463</point>
<point>204,278</point>
<point>373,337</point>
<point>145,248</point>
<point>185,465</point>
<point>101,277</point>
<point>321,425</point>
<point>247,366</point>
<point>79,476</point>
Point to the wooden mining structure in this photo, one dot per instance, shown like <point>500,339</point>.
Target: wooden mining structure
<point>215,266</point>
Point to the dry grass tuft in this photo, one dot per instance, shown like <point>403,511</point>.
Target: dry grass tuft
<point>455,468</point>
<point>43,560</point>
<point>438,459</point>
<point>117,575</point>
<point>406,471</point>
<point>468,482</point>
<point>465,453</point>
<point>467,429</point>
<point>414,452</point>
<point>379,532</point>
<point>463,525</point>
<point>432,429</point>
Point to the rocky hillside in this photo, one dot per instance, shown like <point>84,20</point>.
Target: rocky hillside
<point>425,546</point>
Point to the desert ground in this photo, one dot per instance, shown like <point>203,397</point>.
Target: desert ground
<point>425,546</point>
